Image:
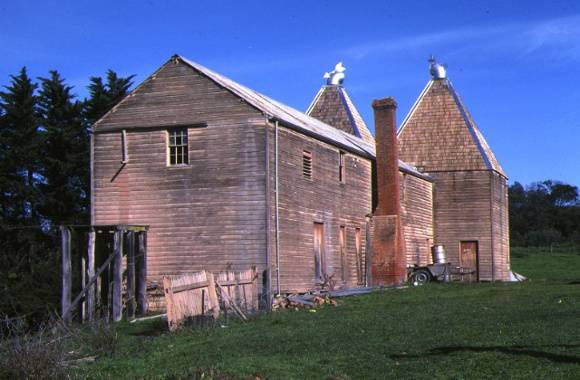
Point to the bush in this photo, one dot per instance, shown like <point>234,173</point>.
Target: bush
<point>24,355</point>
<point>99,337</point>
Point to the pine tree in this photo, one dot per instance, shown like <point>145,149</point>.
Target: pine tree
<point>65,153</point>
<point>104,96</point>
<point>20,140</point>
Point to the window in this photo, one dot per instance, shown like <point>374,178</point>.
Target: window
<point>124,157</point>
<point>307,164</point>
<point>177,147</point>
<point>341,166</point>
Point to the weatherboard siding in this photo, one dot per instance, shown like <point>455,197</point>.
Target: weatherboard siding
<point>417,217</point>
<point>322,199</point>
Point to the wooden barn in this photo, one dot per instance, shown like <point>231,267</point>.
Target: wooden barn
<point>440,138</point>
<point>227,178</point>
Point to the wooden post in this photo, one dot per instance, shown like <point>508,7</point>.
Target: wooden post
<point>91,292</point>
<point>117,277</point>
<point>130,275</point>
<point>65,235</point>
<point>141,263</point>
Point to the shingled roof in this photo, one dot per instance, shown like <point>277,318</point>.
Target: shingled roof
<point>333,106</point>
<point>439,134</point>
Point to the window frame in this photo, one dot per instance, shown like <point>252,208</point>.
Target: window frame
<point>183,146</point>
<point>341,166</point>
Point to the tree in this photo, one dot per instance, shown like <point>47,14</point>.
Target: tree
<point>65,153</point>
<point>20,140</point>
<point>544,213</point>
<point>103,97</point>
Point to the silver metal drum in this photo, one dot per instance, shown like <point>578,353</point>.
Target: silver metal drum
<point>438,253</point>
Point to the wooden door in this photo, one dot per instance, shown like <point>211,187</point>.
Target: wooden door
<point>469,257</point>
<point>319,259</point>
<point>359,259</point>
<point>342,241</point>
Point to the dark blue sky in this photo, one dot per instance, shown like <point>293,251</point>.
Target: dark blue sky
<point>516,64</point>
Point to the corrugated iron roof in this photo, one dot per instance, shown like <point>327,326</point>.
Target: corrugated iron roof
<point>286,114</point>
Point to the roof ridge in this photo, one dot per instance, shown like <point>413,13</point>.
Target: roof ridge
<point>284,112</point>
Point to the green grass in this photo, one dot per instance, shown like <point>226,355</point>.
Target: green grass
<point>525,330</point>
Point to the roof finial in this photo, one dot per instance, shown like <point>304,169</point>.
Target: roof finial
<point>336,76</point>
<point>437,70</point>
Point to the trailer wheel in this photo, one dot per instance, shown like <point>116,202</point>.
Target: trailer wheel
<point>421,277</point>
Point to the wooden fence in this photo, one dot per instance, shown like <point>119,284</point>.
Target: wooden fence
<point>201,295</point>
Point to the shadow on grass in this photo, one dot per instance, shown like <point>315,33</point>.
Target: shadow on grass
<point>513,350</point>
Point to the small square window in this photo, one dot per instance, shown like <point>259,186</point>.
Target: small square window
<point>177,147</point>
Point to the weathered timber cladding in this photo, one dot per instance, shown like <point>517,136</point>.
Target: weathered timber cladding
<point>206,215</point>
<point>500,219</point>
<point>322,199</point>
<point>417,216</point>
<point>463,212</point>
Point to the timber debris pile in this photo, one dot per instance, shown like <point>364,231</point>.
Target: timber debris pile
<point>300,301</point>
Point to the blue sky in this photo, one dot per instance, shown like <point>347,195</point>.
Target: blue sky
<point>516,64</point>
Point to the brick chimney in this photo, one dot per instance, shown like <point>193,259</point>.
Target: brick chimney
<point>388,261</point>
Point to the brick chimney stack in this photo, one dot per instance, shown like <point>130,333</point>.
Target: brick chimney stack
<point>388,261</point>
<point>387,157</point>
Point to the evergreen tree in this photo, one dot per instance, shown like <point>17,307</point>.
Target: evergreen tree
<point>65,153</point>
<point>104,96</point>
<point>20,140</point>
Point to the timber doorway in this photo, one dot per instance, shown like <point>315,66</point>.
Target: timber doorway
<point>319,254</point>
<point>469,257</point>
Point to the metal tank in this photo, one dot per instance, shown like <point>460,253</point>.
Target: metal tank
<point>438,253</point>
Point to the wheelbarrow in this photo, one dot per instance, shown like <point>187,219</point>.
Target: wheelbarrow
<point>421,275</point>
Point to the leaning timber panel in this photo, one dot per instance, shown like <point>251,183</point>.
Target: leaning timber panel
<point>322,199</point>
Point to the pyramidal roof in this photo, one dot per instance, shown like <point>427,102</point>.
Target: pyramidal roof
<point>333,106</point>
<point>439,134</point>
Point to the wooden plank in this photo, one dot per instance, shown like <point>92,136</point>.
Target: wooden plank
<point>141,267</point>
<point>172,319</point>
<point>212,294</point>
<point>117,277</point>
<point>91,291</point>
<point>193,286</point>
<point>65,251</point>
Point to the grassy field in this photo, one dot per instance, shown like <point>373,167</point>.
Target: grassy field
<point>524,330</point>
